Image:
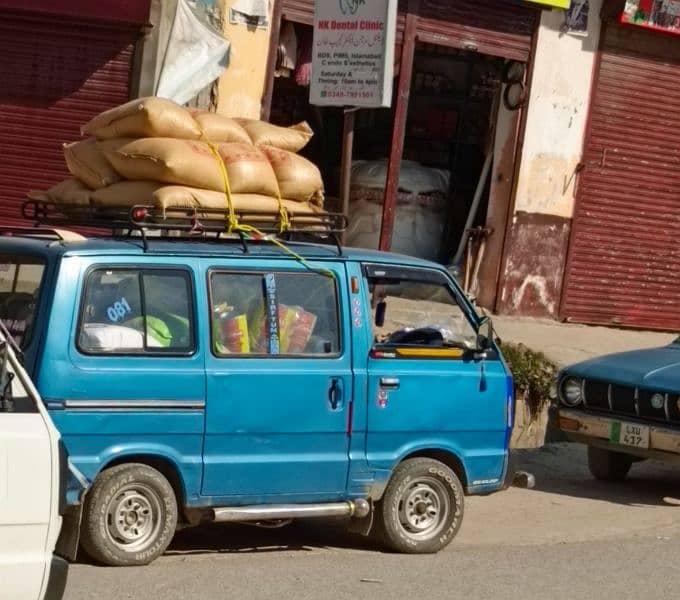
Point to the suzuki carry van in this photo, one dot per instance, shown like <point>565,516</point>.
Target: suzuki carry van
<point>242,378</point>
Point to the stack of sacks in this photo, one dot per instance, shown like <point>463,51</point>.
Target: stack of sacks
<point>152,151</point>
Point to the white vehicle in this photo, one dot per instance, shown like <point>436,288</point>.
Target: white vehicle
<point>33,469</point>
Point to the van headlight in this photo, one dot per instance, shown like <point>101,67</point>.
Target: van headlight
<point>572,391</point>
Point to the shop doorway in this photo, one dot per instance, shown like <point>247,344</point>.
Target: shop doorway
<point>452,111</point>
<point>462,54</point>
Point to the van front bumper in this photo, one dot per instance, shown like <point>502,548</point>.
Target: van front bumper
<point>56,584</point>
<point>578,426</point>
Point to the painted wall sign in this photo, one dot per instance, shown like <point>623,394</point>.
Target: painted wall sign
<point>353,52</point>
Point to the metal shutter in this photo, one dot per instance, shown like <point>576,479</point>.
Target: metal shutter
<point>623,266</point>
<point>494,27</point>
<point>56,74</point>
<point>299,11</point>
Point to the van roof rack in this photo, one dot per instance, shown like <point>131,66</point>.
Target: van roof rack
<point>190,223</point>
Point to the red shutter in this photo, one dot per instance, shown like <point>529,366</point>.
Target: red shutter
<point>298,11</point>
<point>494,27</point>
<point>55,75</point>
<point>126,11</point>
<point>624,260</point>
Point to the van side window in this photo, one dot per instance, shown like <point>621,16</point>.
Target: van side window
<point>136,311</point>
<point>20,280</point>
<point>419,314</point>
<point>274,313</point>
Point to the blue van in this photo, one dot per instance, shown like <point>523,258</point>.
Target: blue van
<point>225,380</point>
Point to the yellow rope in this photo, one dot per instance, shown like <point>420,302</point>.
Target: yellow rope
<point>232,221</point>
<point>284,222</point>
<point>232,224</point>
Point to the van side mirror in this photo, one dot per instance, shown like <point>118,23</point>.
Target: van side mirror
<point>484,334</point>
<point>380,310</point>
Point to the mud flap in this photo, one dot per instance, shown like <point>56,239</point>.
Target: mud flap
<point>69,537</point>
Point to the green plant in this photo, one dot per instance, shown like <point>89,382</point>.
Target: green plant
<point>533,374</point>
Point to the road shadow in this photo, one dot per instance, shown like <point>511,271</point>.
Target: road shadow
<point>305,535</point>
<point>562,468</point>
<point>299,536</point>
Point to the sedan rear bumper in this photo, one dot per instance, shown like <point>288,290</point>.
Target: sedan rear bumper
<point>664,442</point>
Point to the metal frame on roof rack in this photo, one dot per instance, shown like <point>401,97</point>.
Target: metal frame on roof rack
<point>196,222</point>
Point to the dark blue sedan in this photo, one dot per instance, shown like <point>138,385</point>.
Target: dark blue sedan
<point>625,407</point>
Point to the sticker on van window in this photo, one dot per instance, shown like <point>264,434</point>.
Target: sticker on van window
<point>118,310</point>
<point>272,313</point>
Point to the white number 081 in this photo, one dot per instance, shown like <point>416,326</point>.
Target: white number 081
<point>118,310</point>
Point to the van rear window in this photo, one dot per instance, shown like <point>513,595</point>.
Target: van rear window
<point>132,311</point>
<point>20,279</point>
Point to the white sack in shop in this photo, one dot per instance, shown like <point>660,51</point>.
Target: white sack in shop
<point>196,55</point>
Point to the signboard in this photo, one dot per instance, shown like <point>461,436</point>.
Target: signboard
<point>661,15</point>
<point>353,52</point>
<point>553,3</point>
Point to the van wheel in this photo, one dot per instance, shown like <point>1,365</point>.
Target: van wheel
<point>422,508</point>
<point>130,516</point>
<point>607,465</point>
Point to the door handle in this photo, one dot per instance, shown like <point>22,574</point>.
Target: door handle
<point>389,383</point>
<point>335,394</point>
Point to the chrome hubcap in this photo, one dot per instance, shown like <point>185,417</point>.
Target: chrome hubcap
<point>133,517</point>
<point>423,508</point>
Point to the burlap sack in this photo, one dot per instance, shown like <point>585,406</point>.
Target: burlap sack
<point>292,138</point>
<point>193,164</point>
<point>144,117</point>
<point>126,194</point>
<point>130,193</point>
<point>298,178</point>
<point>69,191</point>
<point>218,128</point>
<point>86,162</point>
<point>176,196</point>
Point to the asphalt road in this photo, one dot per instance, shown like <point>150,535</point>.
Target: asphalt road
<point>571,538</point>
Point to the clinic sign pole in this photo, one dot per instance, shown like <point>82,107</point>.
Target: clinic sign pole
<point>353,53</point>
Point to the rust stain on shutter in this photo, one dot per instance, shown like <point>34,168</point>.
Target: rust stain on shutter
<point>624,259</point>
<point>55,76</point>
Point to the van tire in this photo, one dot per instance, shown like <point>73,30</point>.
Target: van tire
<point>606,465</point>
<point>129,517</point>
<point>422,508</point>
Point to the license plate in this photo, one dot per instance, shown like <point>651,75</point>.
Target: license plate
<point>629,434</point>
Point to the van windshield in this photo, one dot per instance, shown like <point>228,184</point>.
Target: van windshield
<point>20,279</point>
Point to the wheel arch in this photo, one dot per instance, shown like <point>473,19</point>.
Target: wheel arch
<point>449,458</point>
<point>165,466</point>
